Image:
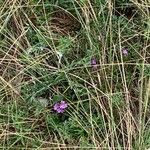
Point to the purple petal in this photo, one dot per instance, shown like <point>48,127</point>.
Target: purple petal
<point>63,105</point>
<point>125,52</point>
<point>60,110</point>
<point>56,106</point>
<point>93,61</point>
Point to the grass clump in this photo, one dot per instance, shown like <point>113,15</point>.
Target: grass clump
<point>91,55</point>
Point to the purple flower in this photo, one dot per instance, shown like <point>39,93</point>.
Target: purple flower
<point>125,51</point>
<point>94,63</point>
<point>60,106</point>
<point>63,105</point>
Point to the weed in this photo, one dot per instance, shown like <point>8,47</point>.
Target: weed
<point>74,74</point>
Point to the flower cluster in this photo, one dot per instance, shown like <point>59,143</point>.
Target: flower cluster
<point>60,107</point>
